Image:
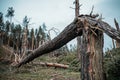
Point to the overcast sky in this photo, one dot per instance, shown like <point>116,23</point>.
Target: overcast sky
<point>57,13</point>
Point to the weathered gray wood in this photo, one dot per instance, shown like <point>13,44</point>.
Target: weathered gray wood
<point>84,57</point>
<point>118,29</point>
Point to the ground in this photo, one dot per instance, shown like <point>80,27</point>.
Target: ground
<point>36,72</point>
<point>33,71</point>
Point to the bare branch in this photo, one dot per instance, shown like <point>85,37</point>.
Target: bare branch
<point>116,24</point>
<point>92,10</point>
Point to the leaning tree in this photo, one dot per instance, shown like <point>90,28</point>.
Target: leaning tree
<point>91,28</point>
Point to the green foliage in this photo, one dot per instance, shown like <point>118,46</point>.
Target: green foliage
<point>71,60</point>
<point>26,21</point>
<point>75,65</point>
<point>66,59</point>
<point>10,12</point>
<point>40,34</point>
<point>1,20</point>
<point>112,64</point>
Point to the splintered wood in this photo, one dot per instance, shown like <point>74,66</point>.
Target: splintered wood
<point>92,54</point>
<point>118,29</point>
<point>91,29</point>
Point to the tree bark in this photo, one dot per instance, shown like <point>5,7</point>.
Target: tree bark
<point>102,26</point>
<point>117,27</point>
<point>78,38</point>
<point>76,8</point>
<point>96,56</point>
<point>70,32</point>
<point>92,54</point>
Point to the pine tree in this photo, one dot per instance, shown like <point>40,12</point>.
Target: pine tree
<point>10,14</point>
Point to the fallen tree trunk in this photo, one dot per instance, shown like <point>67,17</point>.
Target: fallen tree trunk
<point>70,32</point>
<point>56,65</point>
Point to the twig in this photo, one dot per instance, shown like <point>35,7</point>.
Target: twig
<point>92,10</point>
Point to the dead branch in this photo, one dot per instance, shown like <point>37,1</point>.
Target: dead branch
<point>116,25</point>
<point>92,10</point>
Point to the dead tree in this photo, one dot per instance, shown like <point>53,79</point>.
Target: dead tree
<point>117,27</point>
<point>93,47</point>
<point>24,43</point>
<point>92,30</point>
<point>70,32</point>
<point>77,6</point>
<point>92,53</point>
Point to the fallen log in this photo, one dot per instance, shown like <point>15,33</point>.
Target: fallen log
<point>70,32</point>
<point>56,65</point>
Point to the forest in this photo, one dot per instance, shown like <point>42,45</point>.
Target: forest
<point>31,53</point>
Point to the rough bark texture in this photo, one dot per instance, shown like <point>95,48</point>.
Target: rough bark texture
<point>96,57</point>
<point>92,44</point>
<point>101,25</point>
<point>78,38</point>
<point>117,27</point>
<point>84,59</point>
<point>69,33</point>
<point>92,54</point>
<point>76,8</point>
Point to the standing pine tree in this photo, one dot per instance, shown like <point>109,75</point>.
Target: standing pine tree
<point>10,14</point>
<point>1,28</point>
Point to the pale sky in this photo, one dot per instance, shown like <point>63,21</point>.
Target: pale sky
<point>58,14</point>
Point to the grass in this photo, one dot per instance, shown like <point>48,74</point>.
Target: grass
<point>37,72</point>
<point>29,72</point>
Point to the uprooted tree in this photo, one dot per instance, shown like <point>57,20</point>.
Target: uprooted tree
<point>91,28</point>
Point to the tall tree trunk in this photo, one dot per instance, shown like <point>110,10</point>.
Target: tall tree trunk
<point>96,56</point>
<point>9,31</point>
<point>76,8</point>
<point>92,55</point>
<point>33,42</point>
<point>78,38</point>
<point>83,49</point>
<point>24,43</point>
